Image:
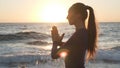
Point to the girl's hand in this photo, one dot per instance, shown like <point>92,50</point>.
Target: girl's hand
<point>55,35</point>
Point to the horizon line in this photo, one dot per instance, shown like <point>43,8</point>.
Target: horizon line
<point>61,22</point>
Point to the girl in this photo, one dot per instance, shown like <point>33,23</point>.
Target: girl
<point>82,42</point>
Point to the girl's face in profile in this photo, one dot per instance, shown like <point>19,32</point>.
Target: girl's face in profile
<point>73,18</point>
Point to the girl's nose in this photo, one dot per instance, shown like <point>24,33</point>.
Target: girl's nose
<point>67,17</point>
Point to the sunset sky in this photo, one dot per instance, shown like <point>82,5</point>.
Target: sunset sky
<point>55,10</point>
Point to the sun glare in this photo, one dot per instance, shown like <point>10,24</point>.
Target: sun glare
<point>63,54</point>
<point>53,13</point>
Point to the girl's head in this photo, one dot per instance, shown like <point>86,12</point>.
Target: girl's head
<point>78,14</point>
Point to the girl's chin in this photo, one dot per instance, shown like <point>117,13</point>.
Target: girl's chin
<point>71,23</point>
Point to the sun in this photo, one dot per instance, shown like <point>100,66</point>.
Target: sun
<point>54,13</point>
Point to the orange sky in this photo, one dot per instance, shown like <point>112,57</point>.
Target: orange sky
<point>54,10</point>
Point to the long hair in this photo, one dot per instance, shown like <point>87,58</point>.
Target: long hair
<point>91,28</point>
<point>92,34</point>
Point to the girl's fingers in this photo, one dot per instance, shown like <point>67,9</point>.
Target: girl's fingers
<point>55,34</point>
<point>54,28</point>
<point>61,37</point>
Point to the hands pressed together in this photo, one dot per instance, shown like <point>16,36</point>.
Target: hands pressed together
<point>55,35</point>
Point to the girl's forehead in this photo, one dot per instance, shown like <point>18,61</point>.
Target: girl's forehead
<point>73,13</point>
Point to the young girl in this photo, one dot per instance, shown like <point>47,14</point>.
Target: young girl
<point>82,42</point>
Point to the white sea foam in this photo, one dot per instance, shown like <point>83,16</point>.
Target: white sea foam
<point>103,56</point>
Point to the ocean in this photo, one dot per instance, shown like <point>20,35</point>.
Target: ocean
<point>28,45</point>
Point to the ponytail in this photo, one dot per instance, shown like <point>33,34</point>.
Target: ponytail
<point>92,34</point>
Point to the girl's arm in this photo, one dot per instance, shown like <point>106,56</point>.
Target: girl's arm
<point>56,38</point>
<point>54,51</point>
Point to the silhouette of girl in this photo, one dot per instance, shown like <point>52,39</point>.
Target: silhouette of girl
<point>82,42</point>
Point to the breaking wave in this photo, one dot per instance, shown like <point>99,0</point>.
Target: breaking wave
<point>23,35</point>
<point>109,55</point>
<point>102,55</point>
<point>37,42</point>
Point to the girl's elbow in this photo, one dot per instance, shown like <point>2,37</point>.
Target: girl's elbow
<point>54,56</point>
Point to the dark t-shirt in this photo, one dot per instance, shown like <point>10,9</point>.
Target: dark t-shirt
<point>76,47</point>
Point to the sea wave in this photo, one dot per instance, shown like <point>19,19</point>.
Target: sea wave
<point>23,35</point>
<point>24,59</point>
<point>37,42</point>
<point>108,56</point>
<point>116,48</point>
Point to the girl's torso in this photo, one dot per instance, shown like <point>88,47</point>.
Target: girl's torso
<point>76,45</point>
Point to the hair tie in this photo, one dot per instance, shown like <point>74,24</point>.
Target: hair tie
<point>89,8</point>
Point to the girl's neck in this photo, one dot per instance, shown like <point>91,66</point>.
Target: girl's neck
<point>80,25</point>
